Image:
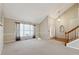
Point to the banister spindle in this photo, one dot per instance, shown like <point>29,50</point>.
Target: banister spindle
<point>75,34</point>
<point>67,36</point>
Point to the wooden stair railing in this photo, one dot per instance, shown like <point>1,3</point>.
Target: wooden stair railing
<point>67,34</point>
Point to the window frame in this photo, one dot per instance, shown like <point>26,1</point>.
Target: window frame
<point>30,30</point>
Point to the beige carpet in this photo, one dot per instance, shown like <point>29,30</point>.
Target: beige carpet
<point>38,47</point>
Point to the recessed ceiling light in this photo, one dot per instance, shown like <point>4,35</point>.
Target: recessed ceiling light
<point>59,20</point>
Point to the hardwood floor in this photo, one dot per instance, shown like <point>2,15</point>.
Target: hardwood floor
<point>59,39</point>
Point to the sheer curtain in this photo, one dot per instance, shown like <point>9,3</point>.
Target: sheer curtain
<point>26,31</point>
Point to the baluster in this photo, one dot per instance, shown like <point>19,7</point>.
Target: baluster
<point>75,34</point>
<point>68,38</point>
<point>65,39</point>
<point>67,35</point>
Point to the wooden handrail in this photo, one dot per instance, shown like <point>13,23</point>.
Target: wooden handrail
<point>67,33</point>
<point>72,30</point>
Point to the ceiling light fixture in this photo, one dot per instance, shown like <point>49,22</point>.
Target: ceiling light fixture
<point>59,20</point>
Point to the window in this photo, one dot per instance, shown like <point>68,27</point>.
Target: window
<point>26,30</point>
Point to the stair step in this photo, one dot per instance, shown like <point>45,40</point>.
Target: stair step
<point>74,44</point>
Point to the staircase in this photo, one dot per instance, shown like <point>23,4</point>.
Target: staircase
<point>74,44</point>
<point>72,38</point>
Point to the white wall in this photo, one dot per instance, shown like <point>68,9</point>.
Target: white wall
<point>1,39</point>
<point>37,31</point>
<point>78,13</point>
<point>44,29</point>
<point>1,29</point>
<point>51,24</point>
<point>69,19</point>
<point>9,30</point>
<point>75,44</point>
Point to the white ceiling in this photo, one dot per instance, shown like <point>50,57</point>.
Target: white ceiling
<point>33,12</point>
